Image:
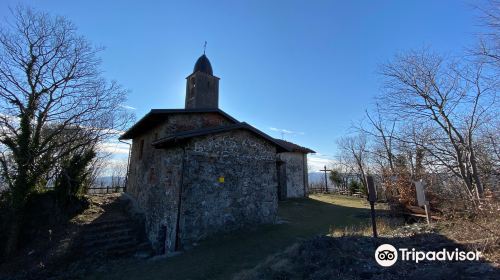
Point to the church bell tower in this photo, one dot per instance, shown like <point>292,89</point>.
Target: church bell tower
<point>202,87</point>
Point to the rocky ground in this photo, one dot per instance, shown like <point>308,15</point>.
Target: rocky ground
<point>352,257</point>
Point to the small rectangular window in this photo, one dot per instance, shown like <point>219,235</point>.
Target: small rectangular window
<point>141,149</point>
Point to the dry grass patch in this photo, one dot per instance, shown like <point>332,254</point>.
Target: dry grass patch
<point>347,201</point>
<point>385,227</point>
<point>477,231</point>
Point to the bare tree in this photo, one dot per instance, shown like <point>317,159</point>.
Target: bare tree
<point>382,131</point>
<point>118,172</point>
<point>353,152</point>
<point>340,174</point>
<point>449,99</point>
<point>489,43</point>
<point>53,101</point>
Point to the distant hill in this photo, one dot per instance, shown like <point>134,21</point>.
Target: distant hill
<point>317,177</point>
<point>106,181</point>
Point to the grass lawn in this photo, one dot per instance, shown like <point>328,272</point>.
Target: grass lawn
<point>222,256</point>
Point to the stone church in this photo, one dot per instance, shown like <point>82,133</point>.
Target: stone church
<point>197,171</point>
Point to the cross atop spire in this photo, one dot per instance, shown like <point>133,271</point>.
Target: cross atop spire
<point>204,47</point>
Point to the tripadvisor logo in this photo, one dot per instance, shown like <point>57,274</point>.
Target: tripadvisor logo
<point>386,255</point>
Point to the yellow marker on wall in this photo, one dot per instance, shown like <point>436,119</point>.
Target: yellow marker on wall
<point>221,179</point>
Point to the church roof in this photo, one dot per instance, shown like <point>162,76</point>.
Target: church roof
<point>156,116</point>
<point>185,135</point>
<point>203,65</point>
<point>294,147</point>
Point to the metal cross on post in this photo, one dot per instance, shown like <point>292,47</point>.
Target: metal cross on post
<point>326,179</point>
<point>204,47</point>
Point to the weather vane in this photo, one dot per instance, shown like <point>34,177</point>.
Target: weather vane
<point>204,47</point>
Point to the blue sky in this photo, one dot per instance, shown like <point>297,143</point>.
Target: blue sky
<point>304,66</point>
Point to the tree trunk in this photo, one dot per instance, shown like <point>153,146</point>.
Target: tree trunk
<point>475,175</point>
<point>21,186</point>
<point>14,232</point>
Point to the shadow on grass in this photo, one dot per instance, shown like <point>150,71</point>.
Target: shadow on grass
<point>222,256</point>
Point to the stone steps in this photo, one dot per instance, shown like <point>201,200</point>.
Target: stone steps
<point>128,247</point>
<point>107,242</point>
<point>110,237</point>
<point>108,233</point>
<point>103,225</point>
<point>113,233</point>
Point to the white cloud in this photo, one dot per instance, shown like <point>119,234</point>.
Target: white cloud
<point>285,131</point>
<point>118,156</point>
<point>116,131</point>
<point>316,162</point>
<point>9,117</point>
<point>115,148</point>
<point>127,107</point>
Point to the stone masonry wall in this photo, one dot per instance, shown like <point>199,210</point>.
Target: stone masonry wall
<point>154,184</point>
<point>182,122</point>
<point>296,169</point>
<point>154,178</point>
<point>306,175</point>
<point>247,195</point>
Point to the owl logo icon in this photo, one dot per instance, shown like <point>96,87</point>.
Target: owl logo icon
<point>386,255</point>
